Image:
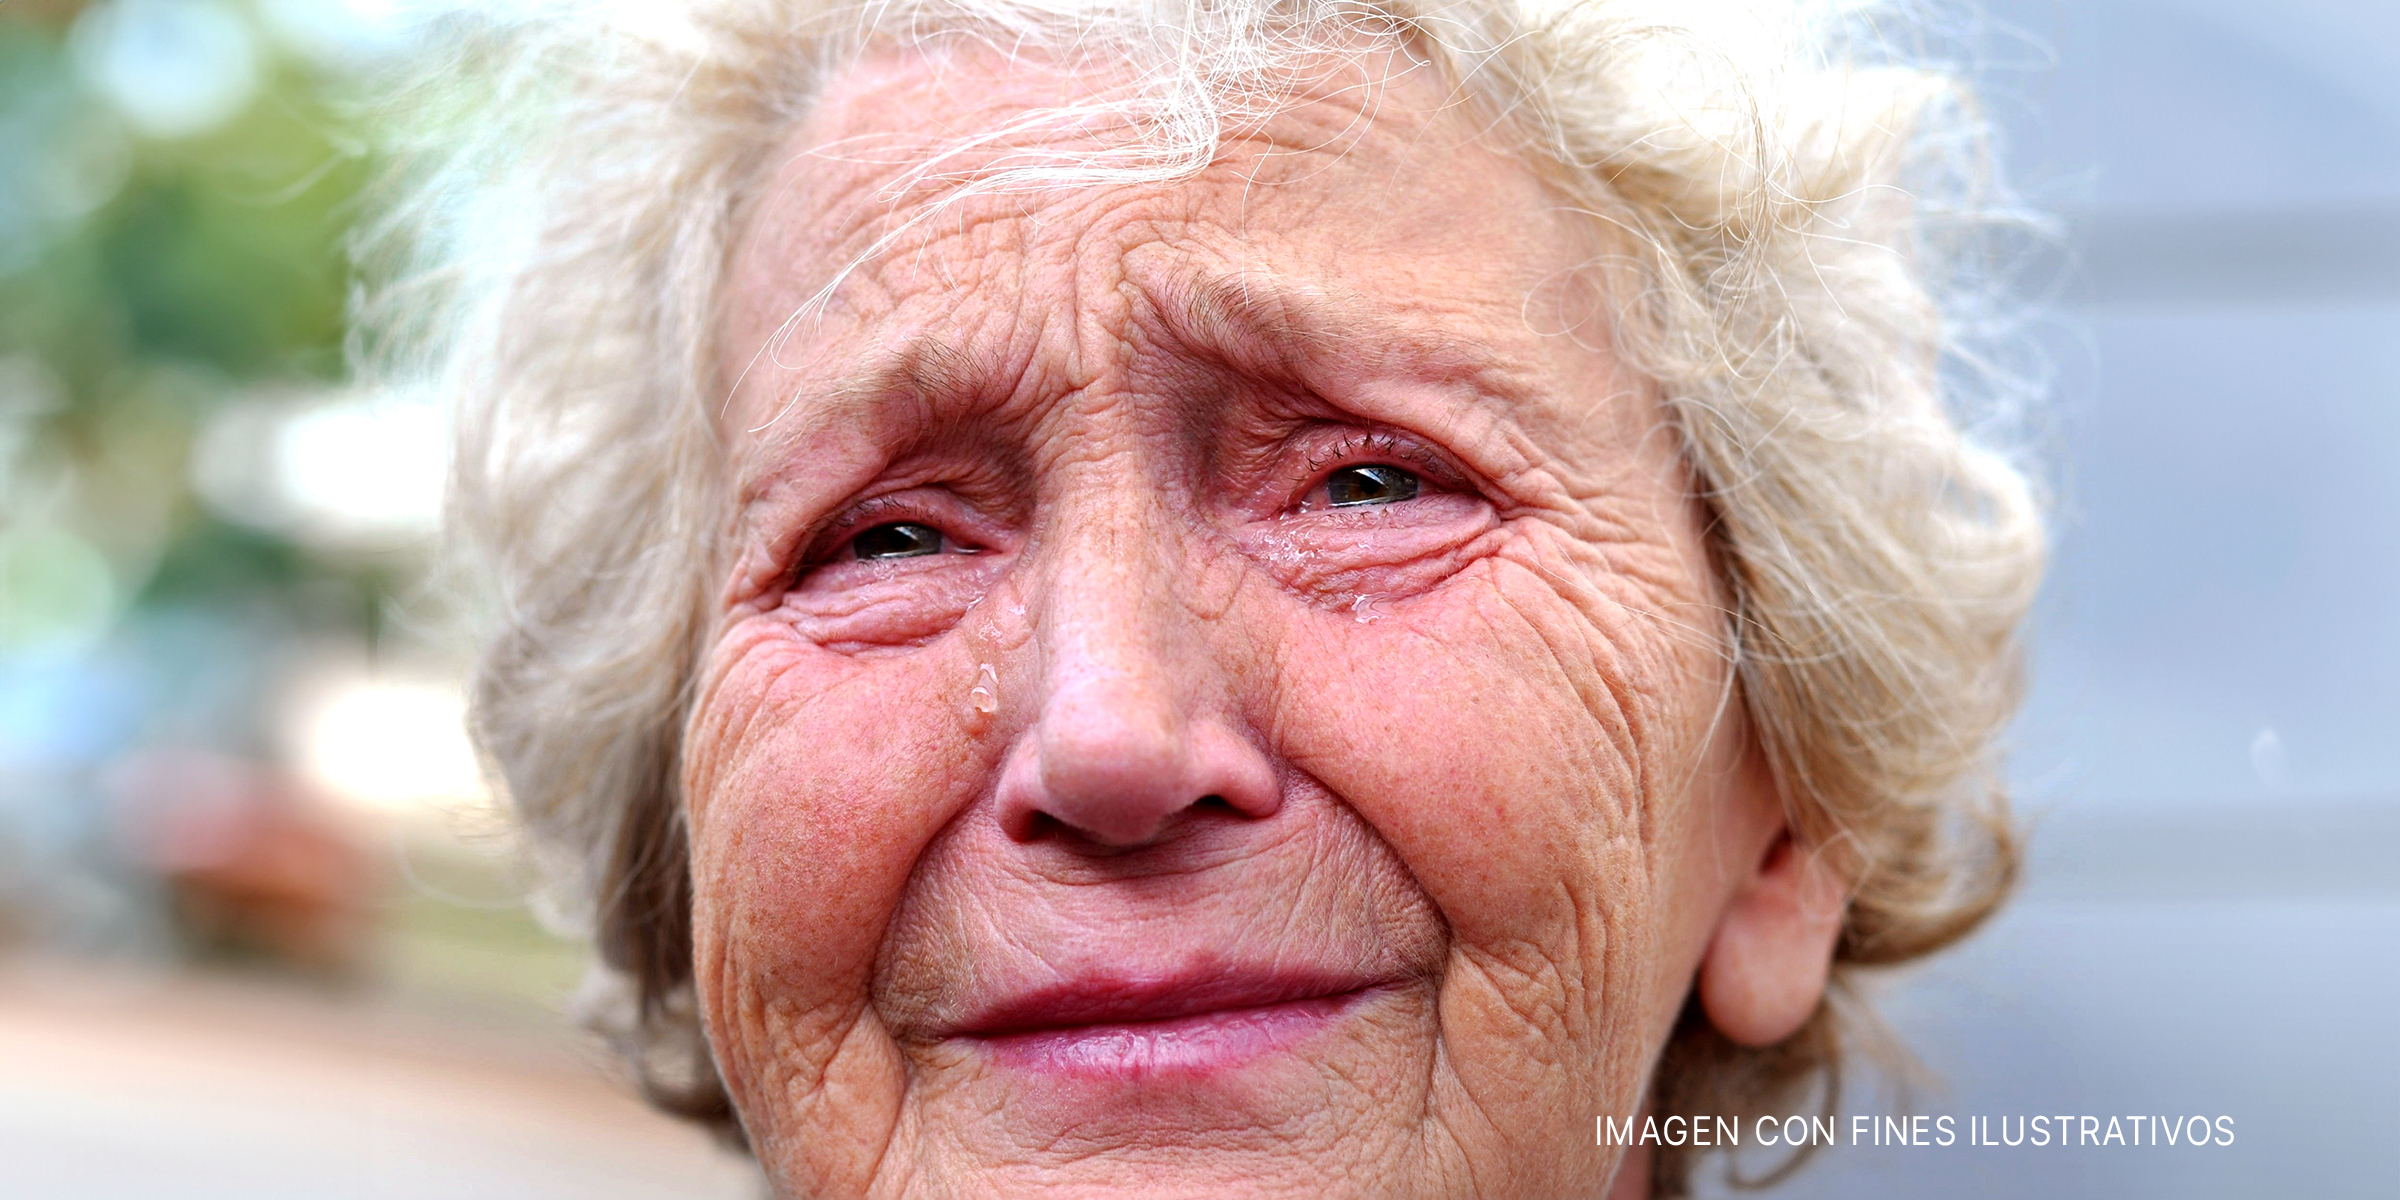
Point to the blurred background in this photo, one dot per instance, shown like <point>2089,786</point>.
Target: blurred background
<point>263,932</point>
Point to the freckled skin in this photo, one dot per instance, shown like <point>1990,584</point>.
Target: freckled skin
<point>1508,788</point>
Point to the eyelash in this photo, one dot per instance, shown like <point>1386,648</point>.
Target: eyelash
<point>1363,449</point>
<point>1348,450</point>
<point>826,547</point>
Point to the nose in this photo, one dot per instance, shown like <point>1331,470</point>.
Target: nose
<point>1135,728</point>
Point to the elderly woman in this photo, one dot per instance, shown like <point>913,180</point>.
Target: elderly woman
<point>1227,597</point>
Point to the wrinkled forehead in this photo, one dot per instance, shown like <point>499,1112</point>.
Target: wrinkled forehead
<point>954,151</point>
<point>909,125</point>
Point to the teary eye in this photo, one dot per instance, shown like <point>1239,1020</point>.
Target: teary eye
<point>900,539</point>
<point>1356,487</point>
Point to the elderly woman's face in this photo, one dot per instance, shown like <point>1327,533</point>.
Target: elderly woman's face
<point>1222,690</point>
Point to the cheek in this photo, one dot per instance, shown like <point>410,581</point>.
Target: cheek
<point>1479,730</point>
<point>1504,741</point>
<point>813,783</point>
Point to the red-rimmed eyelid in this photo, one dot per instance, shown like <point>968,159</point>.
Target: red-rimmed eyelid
<point>835,536</point>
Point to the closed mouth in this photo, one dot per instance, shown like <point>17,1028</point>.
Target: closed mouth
<point>1183,1024</point>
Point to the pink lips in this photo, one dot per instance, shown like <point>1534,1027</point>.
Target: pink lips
<point>1132,1029</point>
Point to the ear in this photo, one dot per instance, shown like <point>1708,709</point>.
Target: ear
<point>1766,963</point>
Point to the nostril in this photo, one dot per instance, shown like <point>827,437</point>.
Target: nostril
<point>1038,826</point>
<point>1035,826</point>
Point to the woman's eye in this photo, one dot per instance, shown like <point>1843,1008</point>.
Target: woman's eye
<point>1354,487</point>
<point>900,539</point>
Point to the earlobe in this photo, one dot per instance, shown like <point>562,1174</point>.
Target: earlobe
<point>1766,964</point>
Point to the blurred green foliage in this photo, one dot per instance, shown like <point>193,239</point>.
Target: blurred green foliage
<point>145,283</point>
<point>169,282</point>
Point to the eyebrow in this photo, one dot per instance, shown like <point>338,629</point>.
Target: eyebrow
<point>1226,308</point>
<point>1252,321</point>
<point>926,367</point>
<point>1255,320</point>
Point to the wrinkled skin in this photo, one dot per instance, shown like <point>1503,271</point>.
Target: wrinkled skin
<point>1451,786</point>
